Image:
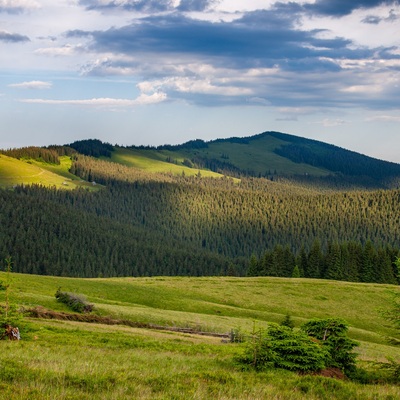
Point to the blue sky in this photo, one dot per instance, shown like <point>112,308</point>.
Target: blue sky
<point>167,71</point>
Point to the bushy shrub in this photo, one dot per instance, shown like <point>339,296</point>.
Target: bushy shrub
<point>282,347</point>
<point>74,301</point>
<point>332,335</point>
<point>319,344</point>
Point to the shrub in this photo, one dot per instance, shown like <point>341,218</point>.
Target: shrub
<point>319,344</point>
<point>74,301</point>
<point>332,335</point>
<point>282,347</point>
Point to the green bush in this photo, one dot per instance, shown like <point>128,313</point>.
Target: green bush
<point>319,344</point>
<point>74,301</point>
<point>332,335</point>
<point>281,347</point>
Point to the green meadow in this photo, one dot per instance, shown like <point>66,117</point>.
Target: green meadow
<point>155,161</point>
<point>79,360</point>
<point>257,155</point>
<point>29,172</point>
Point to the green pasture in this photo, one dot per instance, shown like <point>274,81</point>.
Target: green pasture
<point>154,161</point>
<point>257,155</point>
<point>75,360</point>
<point>27,172</point>
<point>221,303</point>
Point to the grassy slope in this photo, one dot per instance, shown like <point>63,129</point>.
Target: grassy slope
<point>67,360</point>
<point>154,161</point>
<point>215,303</point>
<point>257,155</point>
<point>16,172</point>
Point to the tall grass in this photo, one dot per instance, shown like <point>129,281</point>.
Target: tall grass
<point>72,360</point>
<point>66,360</point>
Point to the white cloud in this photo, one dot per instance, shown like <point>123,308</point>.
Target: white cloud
<point>143,99</point>
<point>195,85</point>
<point>32,85</point>
<point>13,5</point>
<point>66,50</point>
<point>259,100</point>
<point>363,89</point>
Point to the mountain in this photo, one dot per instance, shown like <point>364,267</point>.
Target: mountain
<point>139,211</point>
<point>278,155</point>
<point>271,155</point>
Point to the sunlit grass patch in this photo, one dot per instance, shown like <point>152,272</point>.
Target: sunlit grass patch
<point>27,172</point>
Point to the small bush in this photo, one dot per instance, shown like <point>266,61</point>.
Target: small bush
<point>332,335</point>
<point>281,347</point>
<point>74,301</point>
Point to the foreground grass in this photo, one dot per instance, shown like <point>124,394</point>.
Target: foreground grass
<point>71,360</point>
<point>66,360</point>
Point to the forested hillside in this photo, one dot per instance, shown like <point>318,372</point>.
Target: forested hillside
<point>276,155</point>
<point>141,223</point>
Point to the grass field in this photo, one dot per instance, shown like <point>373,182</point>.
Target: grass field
<point>154,161</point>
<point>28,172</point>
<point>258,156</point>
<point>76,360</point>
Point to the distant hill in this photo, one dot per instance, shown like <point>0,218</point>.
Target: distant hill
<point>258,205</point>
<point>278,155</point>
<point>271,155</point>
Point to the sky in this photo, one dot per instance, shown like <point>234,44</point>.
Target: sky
<point>147,72</point>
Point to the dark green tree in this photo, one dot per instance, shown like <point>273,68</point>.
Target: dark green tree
<point>332,334</point>
<point>370,261</point>
<point>282,347</point>
<point>315,260</point>
<point>333,262</point>
<point>296,272</point>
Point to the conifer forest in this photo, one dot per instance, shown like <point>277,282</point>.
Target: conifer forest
<point>141,223</point>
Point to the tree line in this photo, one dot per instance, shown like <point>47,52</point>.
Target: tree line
<point>34,153</point>
<point>346,261</point>
<point>159,224</point>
